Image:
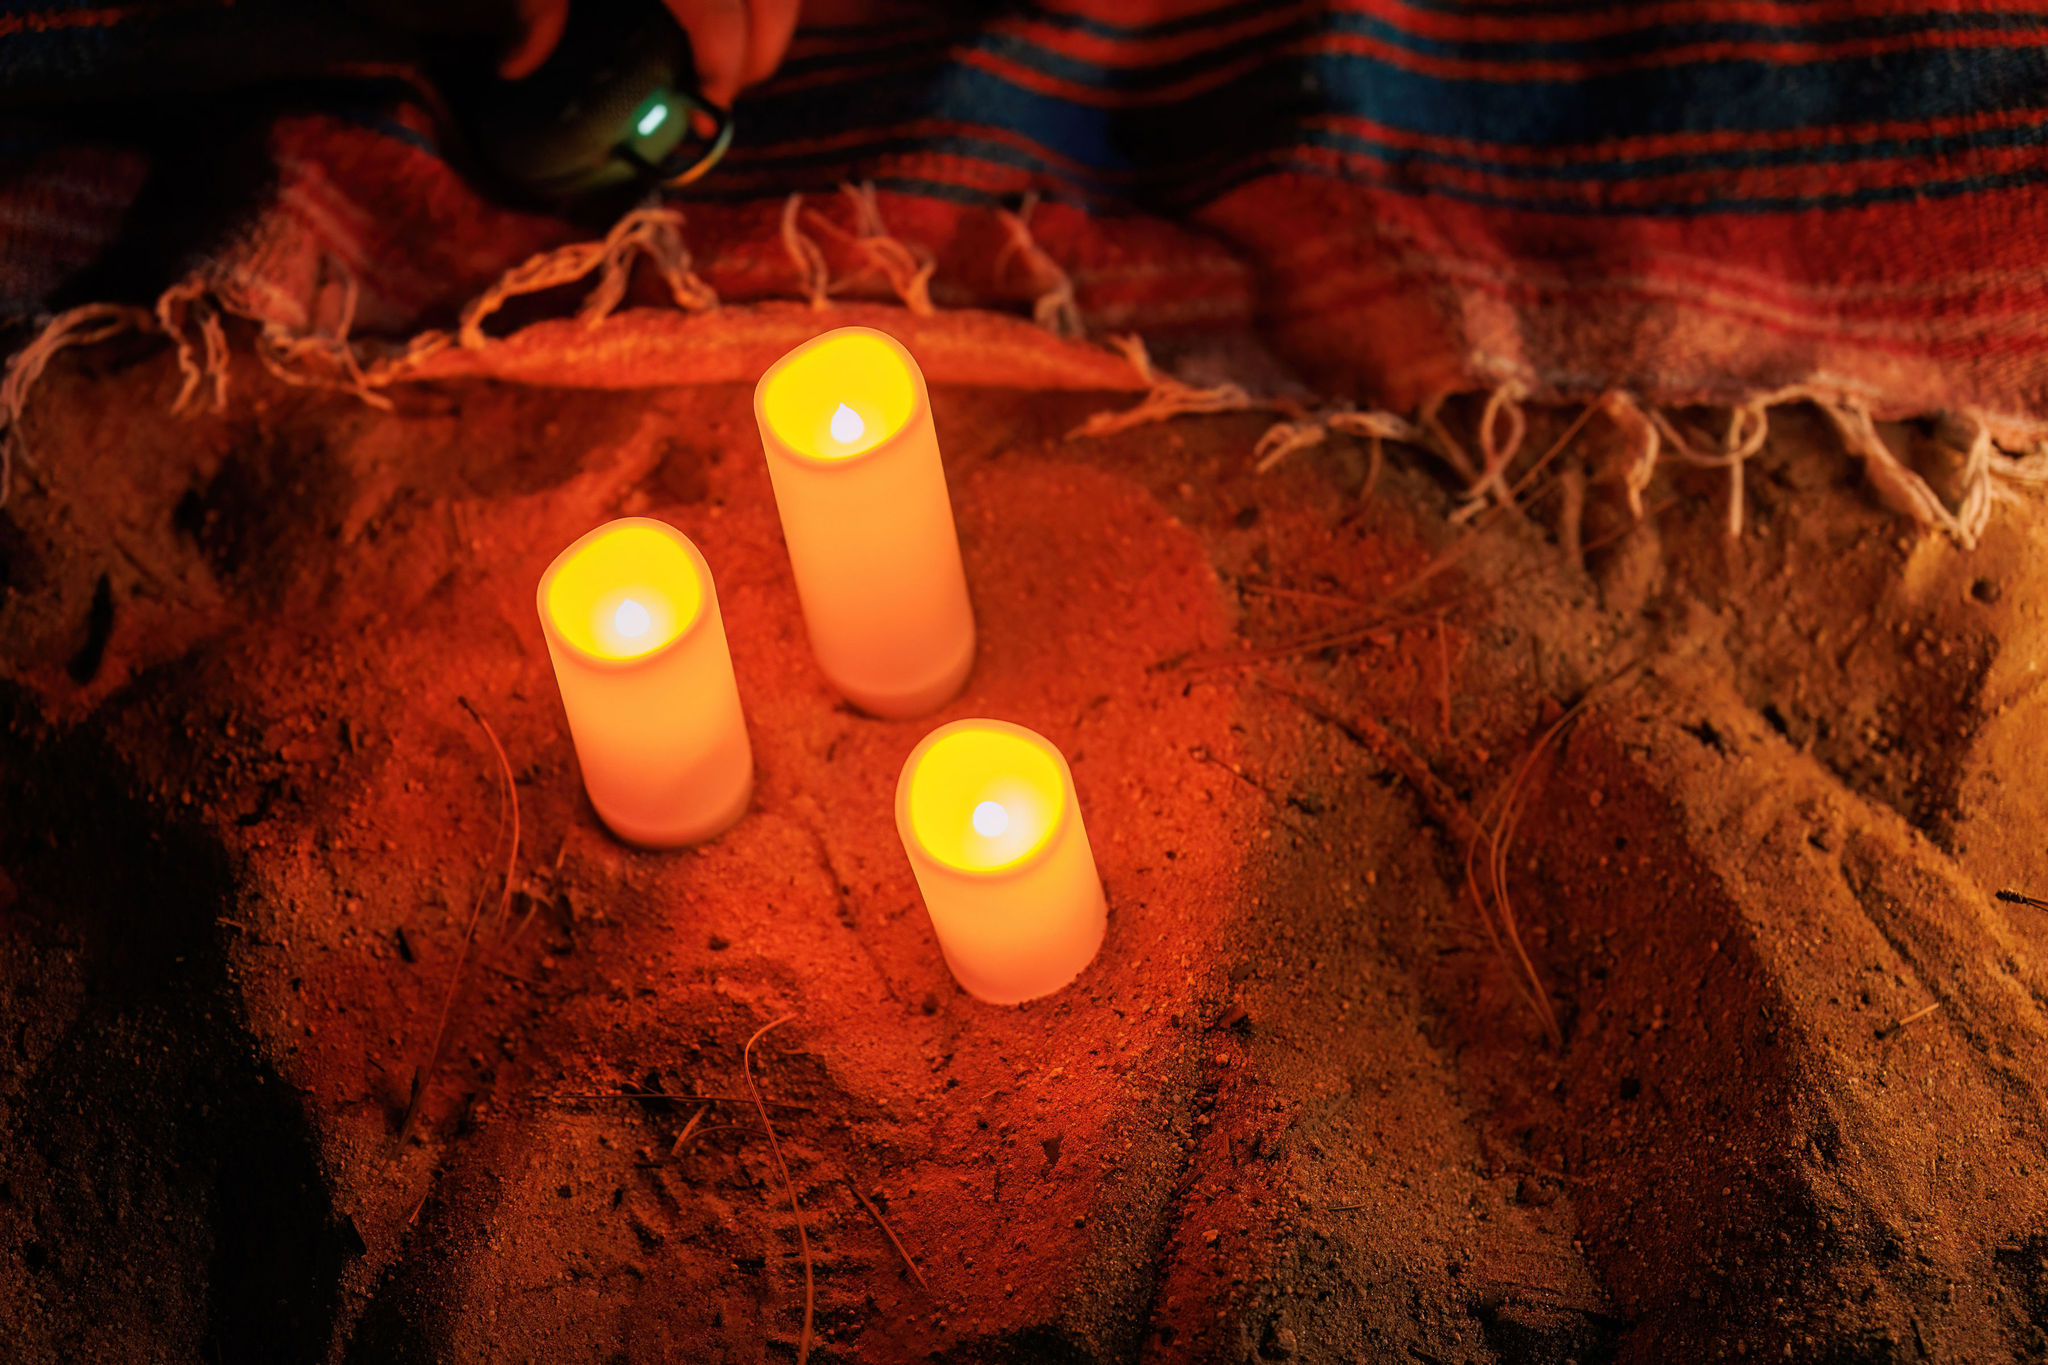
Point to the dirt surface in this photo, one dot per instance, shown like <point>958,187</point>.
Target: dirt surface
<point>1304,1106</point>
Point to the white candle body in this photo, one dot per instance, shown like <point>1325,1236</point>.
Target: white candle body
<point>846,426</point>
<point>1025,927</point>
<point>659,736</point>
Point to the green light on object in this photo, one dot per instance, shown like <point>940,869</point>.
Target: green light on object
<point>655,116</point>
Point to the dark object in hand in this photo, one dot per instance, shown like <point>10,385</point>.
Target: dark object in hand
<point>614,107</point>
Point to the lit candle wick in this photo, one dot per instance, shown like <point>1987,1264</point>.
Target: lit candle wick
<point>990,819</point>
<point>847,426</point>
<point>631,619</point>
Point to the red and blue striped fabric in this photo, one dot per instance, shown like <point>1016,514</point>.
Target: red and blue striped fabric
<point>1691,199</point>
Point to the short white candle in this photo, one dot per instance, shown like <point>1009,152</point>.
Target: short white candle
<point>632,624</point>
<point>989,819</point>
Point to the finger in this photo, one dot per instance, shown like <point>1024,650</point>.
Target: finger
<point>540,28</point>
<point>771,22</point>
<point>718,40</point>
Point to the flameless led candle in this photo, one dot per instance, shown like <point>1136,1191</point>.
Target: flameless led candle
<point>847,428</point>
<point>632,624</point>
<point>988,816</point>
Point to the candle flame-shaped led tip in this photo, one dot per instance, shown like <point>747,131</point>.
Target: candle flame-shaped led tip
<point>847,426</point>
<point>631,619</point>
<point>990,819</point>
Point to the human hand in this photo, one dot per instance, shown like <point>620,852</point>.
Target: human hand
<point>736,43</point>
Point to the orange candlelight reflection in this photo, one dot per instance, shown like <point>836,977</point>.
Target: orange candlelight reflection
<point>988,816</point>
<point>632,625</point>
<point>847,428</point>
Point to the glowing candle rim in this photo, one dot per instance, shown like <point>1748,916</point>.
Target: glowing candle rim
<point>704,606</point>
<point>1040,849</point>
<point>783,446</point>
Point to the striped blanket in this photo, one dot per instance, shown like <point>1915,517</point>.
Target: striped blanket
<point>1689,200</point>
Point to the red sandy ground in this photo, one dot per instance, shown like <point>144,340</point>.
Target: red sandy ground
<point>1296,1109</point>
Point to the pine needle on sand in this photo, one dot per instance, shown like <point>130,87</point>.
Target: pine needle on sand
<point>1503,814</point>
<point>508,815</point>
<point>803,1345</point>
<point>1494,830</point>
<point>888,1232</point>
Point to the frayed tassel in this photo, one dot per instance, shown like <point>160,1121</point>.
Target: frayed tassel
<point>1283,439</point>
<point>187,305</point>
<point>86,325</point>
<point>1644,441</point>
<point>321,357</point>
<point>1502,425</point>
<point>1167,397</point>
<point>908,269</point>
<point>654,232</point>
<point>1748,427</point>
<point>1055,309</point>
<point>1430,418</point>
<point>813,276</point>
<point>1898,487</point>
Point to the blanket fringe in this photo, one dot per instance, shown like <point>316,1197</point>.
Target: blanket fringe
<point>190,315</point>
<point>1283,439</point>
<point>813,276</point>
<point>323,358</point>
<point>1056,309</point>
<point>653,232</point>
<point>1990,474</point>
<point>183,308</point>
<point>86,325</point>
<point>1166,396</point>
<point>907,268</point>
<point>1748,427</point>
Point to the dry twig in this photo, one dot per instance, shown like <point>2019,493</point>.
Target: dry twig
<point>1898,1025</point>
<point>1383,617</point>
<point>1443,661</point>
<point>705,1131</point>
<point>676,1147</point>
<point>1349,637</point>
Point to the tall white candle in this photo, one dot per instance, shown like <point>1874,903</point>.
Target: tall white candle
<point>854,459</point>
